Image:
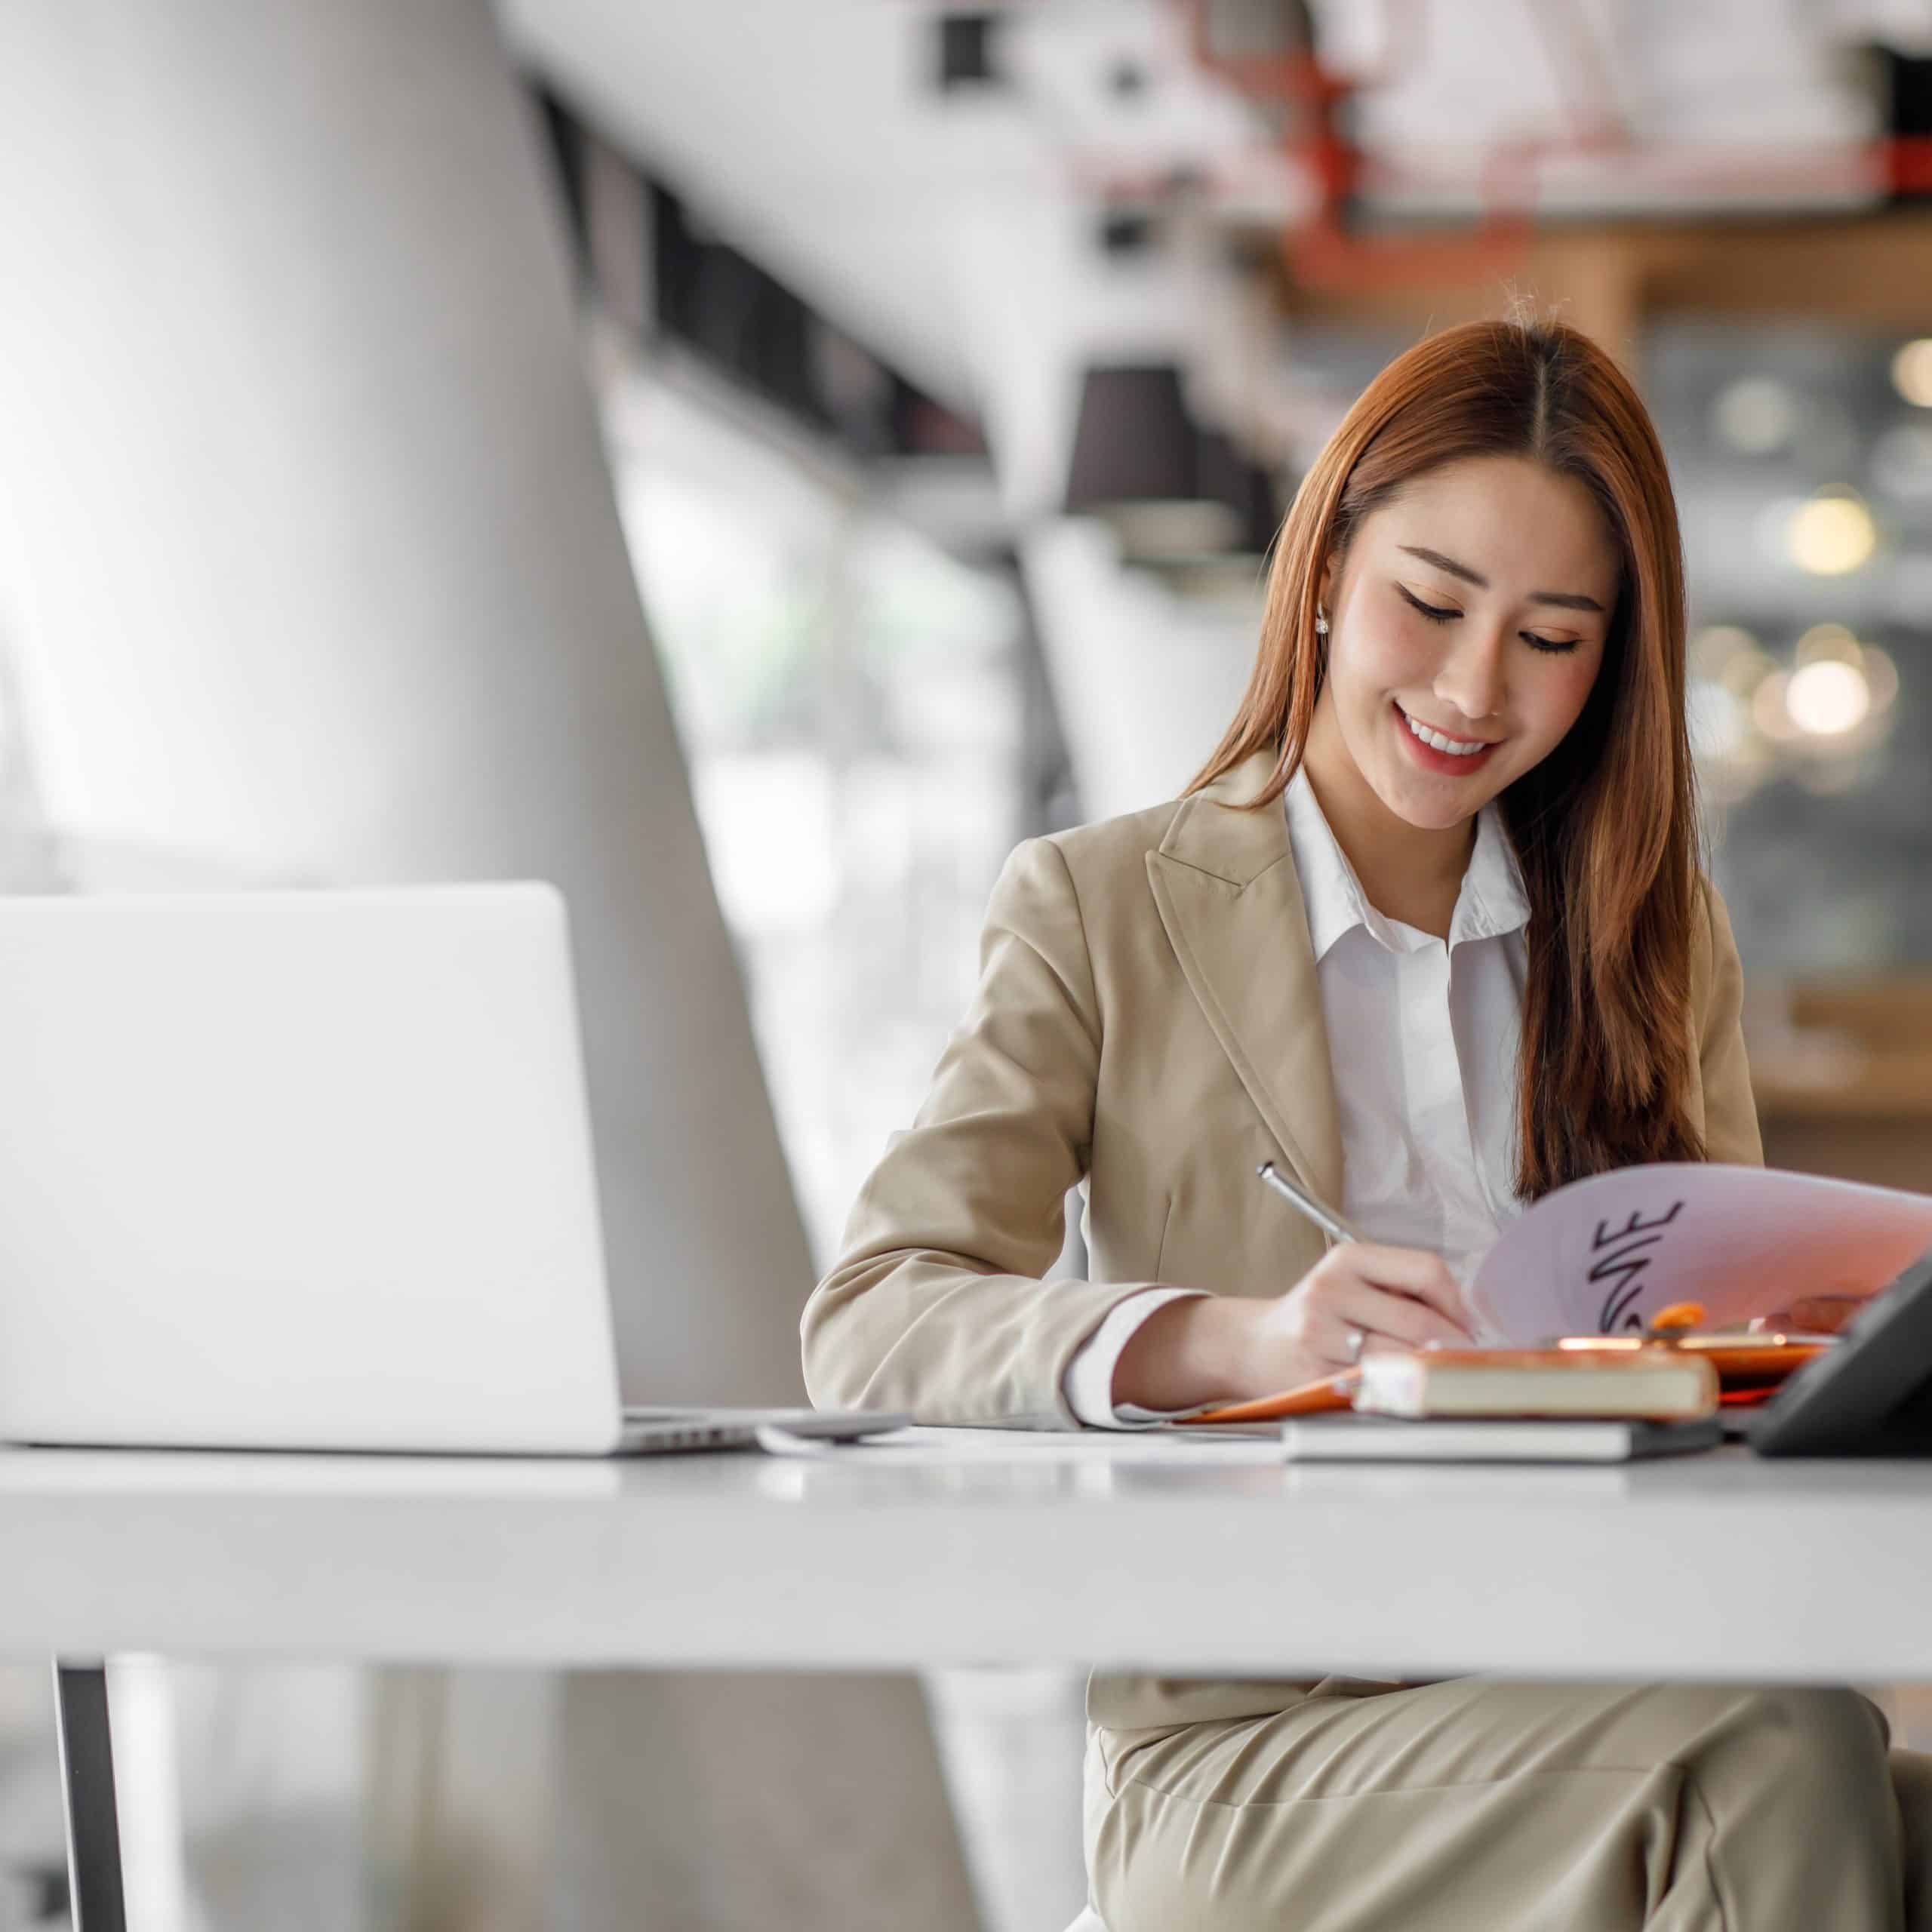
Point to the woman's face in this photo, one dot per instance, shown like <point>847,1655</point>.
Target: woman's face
<point>1474,605</point>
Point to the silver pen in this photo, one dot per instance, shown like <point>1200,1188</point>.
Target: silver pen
<point>1324,1216</point>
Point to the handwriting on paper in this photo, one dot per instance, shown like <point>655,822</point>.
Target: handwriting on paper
<point>1621,1257</point>
<point>1597,1255</point>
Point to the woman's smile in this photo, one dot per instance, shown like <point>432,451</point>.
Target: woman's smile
<point>1436,750</point>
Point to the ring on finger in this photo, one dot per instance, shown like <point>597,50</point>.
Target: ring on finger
<point>1353,1343</point>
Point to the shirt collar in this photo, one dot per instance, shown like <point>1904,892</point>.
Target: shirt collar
<point>1492,900</point>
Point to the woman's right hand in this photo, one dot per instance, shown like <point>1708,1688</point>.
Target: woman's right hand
<point>1227,1348</point>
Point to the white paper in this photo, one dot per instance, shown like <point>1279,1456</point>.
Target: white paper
<point>1603,1255</point>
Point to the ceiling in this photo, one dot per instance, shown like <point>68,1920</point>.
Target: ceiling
<point>812,132</point>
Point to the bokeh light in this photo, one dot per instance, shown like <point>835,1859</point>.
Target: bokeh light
<point>1832,533</point>
<point>1767,709</point>
<point>1756,414</point>
<point>1832,642</point>
<point>1729,655</point>
<point>1827,697</point>
<point>1912,372</point>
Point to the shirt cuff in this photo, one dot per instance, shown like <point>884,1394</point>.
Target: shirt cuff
<point>1088,1383</point>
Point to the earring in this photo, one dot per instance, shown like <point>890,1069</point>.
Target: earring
<point>1321,623</point>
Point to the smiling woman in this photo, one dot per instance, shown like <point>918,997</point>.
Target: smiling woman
<point>1429,932</point>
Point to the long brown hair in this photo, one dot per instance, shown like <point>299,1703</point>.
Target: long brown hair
<point>1604,828</point>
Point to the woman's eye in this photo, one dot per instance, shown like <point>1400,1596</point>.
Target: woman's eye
<point>1441,613</point>
<point>1435,613</point>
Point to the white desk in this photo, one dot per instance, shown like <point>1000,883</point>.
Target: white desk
<point>1720,1565</point>
<point>1062,1550</point>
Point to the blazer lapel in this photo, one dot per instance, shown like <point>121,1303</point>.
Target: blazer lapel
<point>1224,880</point>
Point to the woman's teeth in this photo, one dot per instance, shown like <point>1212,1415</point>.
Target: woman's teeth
<point>1455,747</point>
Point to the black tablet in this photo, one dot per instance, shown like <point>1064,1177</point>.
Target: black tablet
<point>1871,1395</point>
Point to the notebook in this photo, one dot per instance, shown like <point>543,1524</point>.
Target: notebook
<point>1386,1439</point>
<point>1661,1384</point>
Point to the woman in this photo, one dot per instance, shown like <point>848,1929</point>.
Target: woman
<point>1430,928</point>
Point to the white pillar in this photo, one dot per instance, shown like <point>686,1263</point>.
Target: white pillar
<point>309,561</point>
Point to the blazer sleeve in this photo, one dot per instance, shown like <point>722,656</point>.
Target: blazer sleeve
<point>936,1304</point>
<point>1730,1114</point>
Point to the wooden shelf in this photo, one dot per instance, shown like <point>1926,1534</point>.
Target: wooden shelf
<point>1898,1087</point>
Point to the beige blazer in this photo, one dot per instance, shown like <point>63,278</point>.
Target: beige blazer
<point>1148,1027</point>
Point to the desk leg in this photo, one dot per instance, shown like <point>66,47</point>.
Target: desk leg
<point>86,1771</point>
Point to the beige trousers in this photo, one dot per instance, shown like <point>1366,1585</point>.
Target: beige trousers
<point>1478,1806</point>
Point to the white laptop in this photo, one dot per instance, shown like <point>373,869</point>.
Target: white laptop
<point>309,1171</point>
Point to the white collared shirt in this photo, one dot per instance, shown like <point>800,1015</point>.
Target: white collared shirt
<point>1424,1035</point>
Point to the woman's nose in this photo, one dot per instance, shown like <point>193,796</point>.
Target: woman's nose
<point>1470,678</point>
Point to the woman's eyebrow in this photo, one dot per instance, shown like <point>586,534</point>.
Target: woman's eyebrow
<point>1568,600</point>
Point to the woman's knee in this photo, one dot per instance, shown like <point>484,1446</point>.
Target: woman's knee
<point>1825,1721</point>
<point>1793,1746</point>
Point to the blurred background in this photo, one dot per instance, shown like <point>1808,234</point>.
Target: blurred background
<point>754,461</point>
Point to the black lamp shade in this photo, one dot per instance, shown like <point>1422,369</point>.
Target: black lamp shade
<point>1174,491</point>
<point>1134,442</point>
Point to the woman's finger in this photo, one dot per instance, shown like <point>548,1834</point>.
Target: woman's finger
<point>1398,1318</point>
<point>1413,1271</point>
